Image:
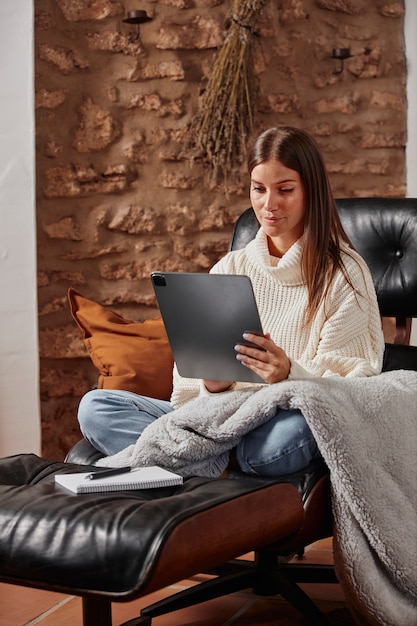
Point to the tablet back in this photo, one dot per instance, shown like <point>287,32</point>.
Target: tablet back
<point>205,316</point>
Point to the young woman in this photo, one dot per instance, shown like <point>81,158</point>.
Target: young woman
<point>316,300</point>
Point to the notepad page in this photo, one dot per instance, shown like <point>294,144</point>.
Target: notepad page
<point>137,478</point>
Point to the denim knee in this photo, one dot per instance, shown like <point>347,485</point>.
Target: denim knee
<point>98,408</point>
<point>113,419</point>
<point>87,410</point>
<point>281,446</point>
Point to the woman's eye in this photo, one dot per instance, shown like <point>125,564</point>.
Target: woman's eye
<point>287,190</point>
<point>258,189</point>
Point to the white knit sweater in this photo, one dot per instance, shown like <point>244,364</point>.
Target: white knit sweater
<point>345,337</point>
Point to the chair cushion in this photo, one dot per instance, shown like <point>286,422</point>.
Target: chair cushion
<point>399,357</point>
<point>128,543</point>
<point>131,356</point>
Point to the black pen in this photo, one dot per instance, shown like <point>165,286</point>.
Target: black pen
<point>113,471</point>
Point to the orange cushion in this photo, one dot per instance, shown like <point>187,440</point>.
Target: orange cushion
<point>131,356</point>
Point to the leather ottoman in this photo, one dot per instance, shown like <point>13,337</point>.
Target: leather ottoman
<point>118,546</point>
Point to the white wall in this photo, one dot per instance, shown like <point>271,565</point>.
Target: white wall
<point>411,153</point>
<point>19,389</point>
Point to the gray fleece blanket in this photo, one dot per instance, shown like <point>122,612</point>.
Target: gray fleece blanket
<point>366,429</point>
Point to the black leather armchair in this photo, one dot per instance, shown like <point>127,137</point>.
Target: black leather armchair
<point>119,546</point>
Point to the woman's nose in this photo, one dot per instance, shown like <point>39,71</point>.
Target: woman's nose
<point>270,203</point>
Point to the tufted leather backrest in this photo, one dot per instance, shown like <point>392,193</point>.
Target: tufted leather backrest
<point>245,230</point>
<point>384,232</point>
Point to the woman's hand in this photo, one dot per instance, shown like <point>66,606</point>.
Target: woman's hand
<point>267,360</point>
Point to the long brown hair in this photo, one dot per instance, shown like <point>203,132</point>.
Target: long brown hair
<point>323,230</point>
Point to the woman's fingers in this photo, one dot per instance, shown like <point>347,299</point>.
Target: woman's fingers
<point>268,360</point>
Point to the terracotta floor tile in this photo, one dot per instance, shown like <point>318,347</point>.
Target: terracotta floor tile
<point>212,613</point>
<point>322,544</point>
<point>64,614</point>
<point>18,605</point>
<point>330,592</point>
<point>270,612</point>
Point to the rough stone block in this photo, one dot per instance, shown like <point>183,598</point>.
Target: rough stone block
<point>97,130</point>
<point>78,10</point>
<point>63,59</point>
<point>50,99</point>
<point>201,34</point>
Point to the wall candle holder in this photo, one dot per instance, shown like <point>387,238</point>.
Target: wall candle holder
<point>137,18</point>
<point>341,54</point>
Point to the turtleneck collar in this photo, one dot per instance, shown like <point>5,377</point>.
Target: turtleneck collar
<point>286,269</point>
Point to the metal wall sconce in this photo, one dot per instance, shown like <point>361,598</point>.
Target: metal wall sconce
<point>137,17</point>
<point>341,54</point>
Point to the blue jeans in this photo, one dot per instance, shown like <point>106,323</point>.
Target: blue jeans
<point>112,420</point>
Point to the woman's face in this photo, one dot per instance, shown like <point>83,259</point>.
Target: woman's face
<point>277,197</point>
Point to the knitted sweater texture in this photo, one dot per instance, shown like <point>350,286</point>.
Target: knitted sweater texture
<point>345,337</point>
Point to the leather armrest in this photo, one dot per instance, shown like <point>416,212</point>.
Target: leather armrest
<point>399,357</point>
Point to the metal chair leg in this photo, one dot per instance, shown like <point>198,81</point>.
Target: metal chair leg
<point>96,610</point>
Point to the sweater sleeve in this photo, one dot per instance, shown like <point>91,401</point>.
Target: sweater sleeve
<point>186,389</point>
<point>351,341</point>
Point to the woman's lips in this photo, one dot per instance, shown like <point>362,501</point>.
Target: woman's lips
<point>272,220</point>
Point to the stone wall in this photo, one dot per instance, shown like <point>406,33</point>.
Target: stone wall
<point>117,196</point>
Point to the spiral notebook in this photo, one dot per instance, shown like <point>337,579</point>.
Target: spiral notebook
<point>137,478</point>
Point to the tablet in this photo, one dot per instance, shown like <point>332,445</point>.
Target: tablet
<point>205,316</point>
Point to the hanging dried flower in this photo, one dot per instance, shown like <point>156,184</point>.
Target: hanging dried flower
<point>226,117</point>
